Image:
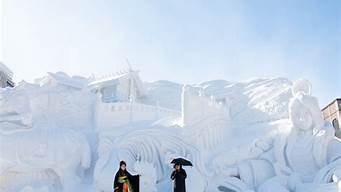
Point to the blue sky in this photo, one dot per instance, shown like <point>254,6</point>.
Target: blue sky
<point>185,41</point>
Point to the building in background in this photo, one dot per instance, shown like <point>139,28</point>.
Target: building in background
<point>125,86</point>
<point>6,76</point>
<point>332,113</point>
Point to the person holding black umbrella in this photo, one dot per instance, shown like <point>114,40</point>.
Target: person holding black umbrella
<point>179,174</point>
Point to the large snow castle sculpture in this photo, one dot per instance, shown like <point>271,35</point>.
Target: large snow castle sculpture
<point>63,134</point>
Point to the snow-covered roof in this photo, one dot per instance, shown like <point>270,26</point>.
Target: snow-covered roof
<point>63,79</point>
<point>114,79</point>
<point>5,69</point>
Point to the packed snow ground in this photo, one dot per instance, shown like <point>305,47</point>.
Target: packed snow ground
<point>68,134</point>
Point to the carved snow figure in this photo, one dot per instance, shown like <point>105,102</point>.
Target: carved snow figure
<point>308,158</point>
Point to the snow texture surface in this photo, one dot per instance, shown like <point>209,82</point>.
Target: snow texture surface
<point>60,134</point>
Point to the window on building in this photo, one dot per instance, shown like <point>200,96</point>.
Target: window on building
<point>109,94</point>
<point>336,124</point>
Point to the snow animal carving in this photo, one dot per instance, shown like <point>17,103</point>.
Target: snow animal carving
<point>151,146</point>
<point>63,152</point>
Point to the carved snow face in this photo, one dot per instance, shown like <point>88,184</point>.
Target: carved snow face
<point>300,116</point>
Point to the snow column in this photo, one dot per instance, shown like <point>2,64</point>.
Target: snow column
<point>184,105</point>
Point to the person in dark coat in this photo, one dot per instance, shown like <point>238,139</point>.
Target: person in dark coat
<point>124,181</point>
<point>178,176</point>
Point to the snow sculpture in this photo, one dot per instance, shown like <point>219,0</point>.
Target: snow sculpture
<point>36,150</point>
<point>65,101</point>
<point>151,147</point>
<point>227,131</point>
<point>149,178</point>
<point>125,86</point>
<point>204,119</point>
<point>246,175</point>
<point>307,158</point>
<point>196,107</point>
<point>15,110</point>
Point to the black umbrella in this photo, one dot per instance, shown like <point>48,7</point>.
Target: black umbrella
<point>182,161</point>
